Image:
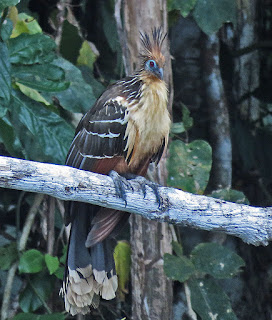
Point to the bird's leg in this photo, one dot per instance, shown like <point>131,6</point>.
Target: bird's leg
<point>121,184</point>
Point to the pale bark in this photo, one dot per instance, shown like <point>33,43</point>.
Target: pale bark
<point>252,224</point>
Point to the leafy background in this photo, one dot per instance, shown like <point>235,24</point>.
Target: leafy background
<point>55,60</point>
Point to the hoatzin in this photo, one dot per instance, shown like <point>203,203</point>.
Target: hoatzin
<point>124,131</point>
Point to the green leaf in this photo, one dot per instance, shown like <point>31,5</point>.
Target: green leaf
<point>8,255</point>
<point>109,27</point>
<point>186,119</point>
<point>216,260</point>
<point>33,316</point>
<point>64,254</point>
<point>32,93</point>
<point>122,253</point>
<point>59,273</point>
<point>50,134</point>
<point>32,261</point>
<point>7,3</point>
<point>26,316</point>
<point>211,14</point>
<point>189,165</point>
<point>38,289</point>
<point>8,138</point>
<point>184,6</point>
<point>87,56</point>
<point>70,35</point>
<point>29,49</point>
<point>52,263</point>
<point>25,24</point>
<point>178,268</point>
<point>39,81</point>
<point>5,75</point>
<point>209,301</point>
<point>44,71</point>
<point>6,29</point>
<point>97,87</point>
<point>177,127</point>
<point>43,77</point>
<point>230,195</point>
<point>177,248</point>
<point>79,96</point>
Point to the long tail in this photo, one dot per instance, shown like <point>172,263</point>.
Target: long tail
<point>90,272</point>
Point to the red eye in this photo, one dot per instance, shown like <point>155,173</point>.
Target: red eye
<point>151,64</point>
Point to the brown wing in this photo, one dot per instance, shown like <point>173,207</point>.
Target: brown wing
<point>99,142</point>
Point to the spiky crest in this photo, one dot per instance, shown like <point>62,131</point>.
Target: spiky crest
<point>152,47</point>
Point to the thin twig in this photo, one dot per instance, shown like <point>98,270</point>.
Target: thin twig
<point>190,312</point>
<point>7,291</point>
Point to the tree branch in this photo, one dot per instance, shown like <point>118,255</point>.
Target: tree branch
<point>252,224</point>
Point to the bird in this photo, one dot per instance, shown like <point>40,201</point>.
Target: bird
<point>125,130</point>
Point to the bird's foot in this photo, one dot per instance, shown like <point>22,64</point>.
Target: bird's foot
<point>143,182</point>
<point>121,185</point>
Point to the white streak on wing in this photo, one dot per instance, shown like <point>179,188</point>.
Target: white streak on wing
<point>104,135</point>
<point>95,157</point>
<point>119,120</point>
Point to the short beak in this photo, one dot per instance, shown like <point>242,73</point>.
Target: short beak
<point>159,73</point>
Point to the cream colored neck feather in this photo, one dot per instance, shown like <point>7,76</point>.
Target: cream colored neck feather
<point>149,121</point>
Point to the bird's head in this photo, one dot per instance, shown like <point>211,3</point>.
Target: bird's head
<point>152,58</point>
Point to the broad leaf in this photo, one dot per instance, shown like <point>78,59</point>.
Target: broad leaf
<point>189,165</point>
<point>59,273</point>
<point>9,139</point>
<point>40,286</point>
<point>52,263</point>
<point>177,248</point>
<point>209,301</point>
<point>183,6</point>
<point>31,93</point>
<point>122,253</point>
<point>8,255</point>
<point>29,49</point>
<point>178,268</point>
<point>177,128</point>
<point>186,118</point>
<point>230,195</point>
<point>25,24</point>
<point>211,14</point>
<point>87,56</point>
<point>7,3</point>
<point>32,261</point>
<point>6,29</point>
<point>42,77</point>
<point>79,96</point>
<point>216,260</point>
<point>5,75</point>
<point>48,136</point>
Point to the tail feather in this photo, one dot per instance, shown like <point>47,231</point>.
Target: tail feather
<point>90,272</point>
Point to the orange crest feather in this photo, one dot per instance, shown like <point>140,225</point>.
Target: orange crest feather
<point>152,48</point>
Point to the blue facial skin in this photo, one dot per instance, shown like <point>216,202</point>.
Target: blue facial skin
<point>152,67</point>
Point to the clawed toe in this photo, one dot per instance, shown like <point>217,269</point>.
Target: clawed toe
<point>120,185</point>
